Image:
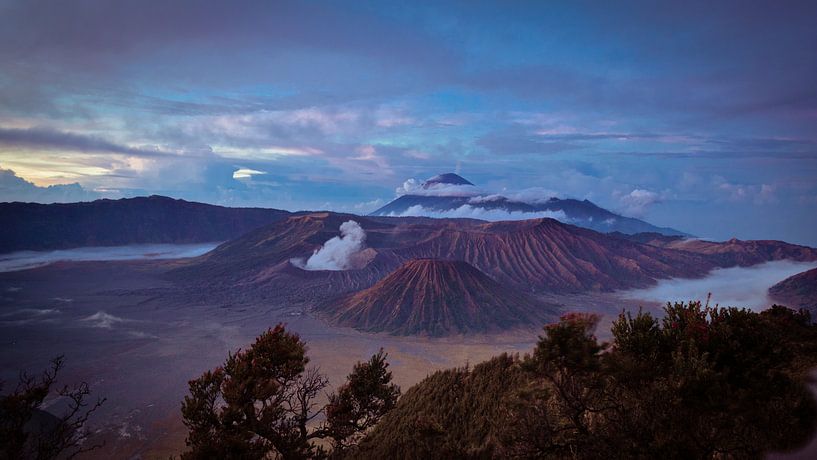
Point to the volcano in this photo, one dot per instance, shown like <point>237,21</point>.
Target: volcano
<point>536,256</point>
<point>437,297</point>
<point>451,195</point>
<point>447,178</point>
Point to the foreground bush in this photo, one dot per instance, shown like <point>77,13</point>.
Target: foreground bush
<point>262,404</point>
<point>28,432</point>
<point>700,383</point>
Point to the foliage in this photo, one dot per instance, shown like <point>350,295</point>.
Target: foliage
<point>359,404</point>
<point>260,401</point>
<point>263,403</point>
<point>28,432</point>
<point>700,382</point>
<point>451,414</point>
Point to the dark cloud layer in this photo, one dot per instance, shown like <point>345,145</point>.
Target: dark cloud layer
<point>43,138</point>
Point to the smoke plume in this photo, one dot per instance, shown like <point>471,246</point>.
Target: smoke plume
<point>339,252</point>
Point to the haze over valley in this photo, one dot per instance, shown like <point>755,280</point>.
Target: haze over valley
<point>367,230</point>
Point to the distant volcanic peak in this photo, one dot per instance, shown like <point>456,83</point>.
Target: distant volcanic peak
<point>451,196</point>
<point>436,297</point>
<point>447,178</point>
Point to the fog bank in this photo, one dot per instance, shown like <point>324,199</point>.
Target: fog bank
<point>734,287</point>
<point>468,211</point>
<point>24,260</point>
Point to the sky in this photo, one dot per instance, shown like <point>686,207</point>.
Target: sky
<point>695,115</point>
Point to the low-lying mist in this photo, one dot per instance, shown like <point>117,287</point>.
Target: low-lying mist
<point>24,260</point>
<point>468,211</point>
<point>730,287</point>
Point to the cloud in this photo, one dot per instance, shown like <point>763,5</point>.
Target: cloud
<point>338,253</point>
<point>766,194</point>
<point>368,206</point>
<point>247,173</point>
<point>468,211</point>
<point>476,195</point>
<point>416,187</point>
<point>735,287</point>
<point>45,138</point>
<point>15,188</point>
<point>104,320</point>
<point>533,195</point>
<point>377,163</point>
<point>522,143</point>
<point>297,88</point>
<point>29,315</point>
<point>758,194</point>
<point>637,201</point>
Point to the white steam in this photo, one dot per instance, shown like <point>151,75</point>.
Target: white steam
<point>339,252</point>
<point>468,211</point>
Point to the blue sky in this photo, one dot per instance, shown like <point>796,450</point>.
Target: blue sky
<point>696,115</point>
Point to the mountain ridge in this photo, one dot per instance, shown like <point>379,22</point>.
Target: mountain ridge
<point>140,220</point>
<point>458,200</point>
<point>538,255</point>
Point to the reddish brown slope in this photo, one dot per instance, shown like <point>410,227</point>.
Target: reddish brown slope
<point>798,291</point>
<point>437,297</point>
<point>267,250</point>
<point>544,254</point>
<point>541,255</point>
<point>733,252</point>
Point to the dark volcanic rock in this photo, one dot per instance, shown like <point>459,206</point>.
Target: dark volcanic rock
<point>447,178</point>
<point>154,219</point>
<point>437,297</point>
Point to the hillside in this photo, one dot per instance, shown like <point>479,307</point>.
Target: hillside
<point>798,291</point>
<point>735,252</point>
<point>437,297</point>
<point>572,397</point>
<point>539,255</point>
<point>143,220</point>
<point>547,255</point>
<point>452,413</point>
